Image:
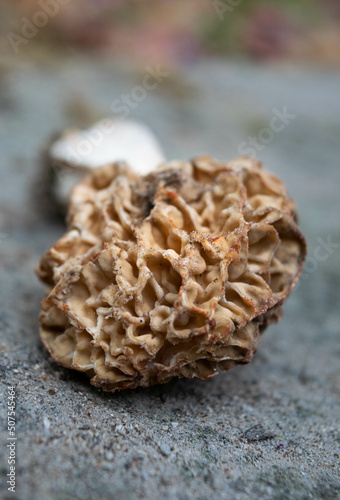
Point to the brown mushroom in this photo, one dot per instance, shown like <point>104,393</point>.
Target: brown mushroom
<point>171,274</point>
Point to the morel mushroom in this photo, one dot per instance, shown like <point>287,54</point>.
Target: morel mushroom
<point>171,274</point>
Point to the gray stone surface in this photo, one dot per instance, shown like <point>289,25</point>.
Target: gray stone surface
<point>188,439</point>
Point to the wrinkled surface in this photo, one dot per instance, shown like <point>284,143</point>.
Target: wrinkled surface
<point>172,274</point>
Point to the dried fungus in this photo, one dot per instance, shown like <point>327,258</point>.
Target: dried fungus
<point>171,274</point>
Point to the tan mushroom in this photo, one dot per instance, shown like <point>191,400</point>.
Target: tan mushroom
<point>175,273</point>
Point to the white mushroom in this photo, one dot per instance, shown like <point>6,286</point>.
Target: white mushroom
<point>76,152</point>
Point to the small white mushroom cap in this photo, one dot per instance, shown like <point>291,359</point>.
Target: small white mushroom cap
<point>76,152</point>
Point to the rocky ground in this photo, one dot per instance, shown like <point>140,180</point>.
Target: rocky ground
<point>269,430</point>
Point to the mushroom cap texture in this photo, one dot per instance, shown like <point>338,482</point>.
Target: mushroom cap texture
<point>171,274</point>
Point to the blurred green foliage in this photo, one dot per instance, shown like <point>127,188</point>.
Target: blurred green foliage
<point>223,32</point>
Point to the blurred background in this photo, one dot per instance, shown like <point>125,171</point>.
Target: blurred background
<point>176,33</point>
<point>217,77</point>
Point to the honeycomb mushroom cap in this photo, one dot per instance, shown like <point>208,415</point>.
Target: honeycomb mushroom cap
<point>171,274</point>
